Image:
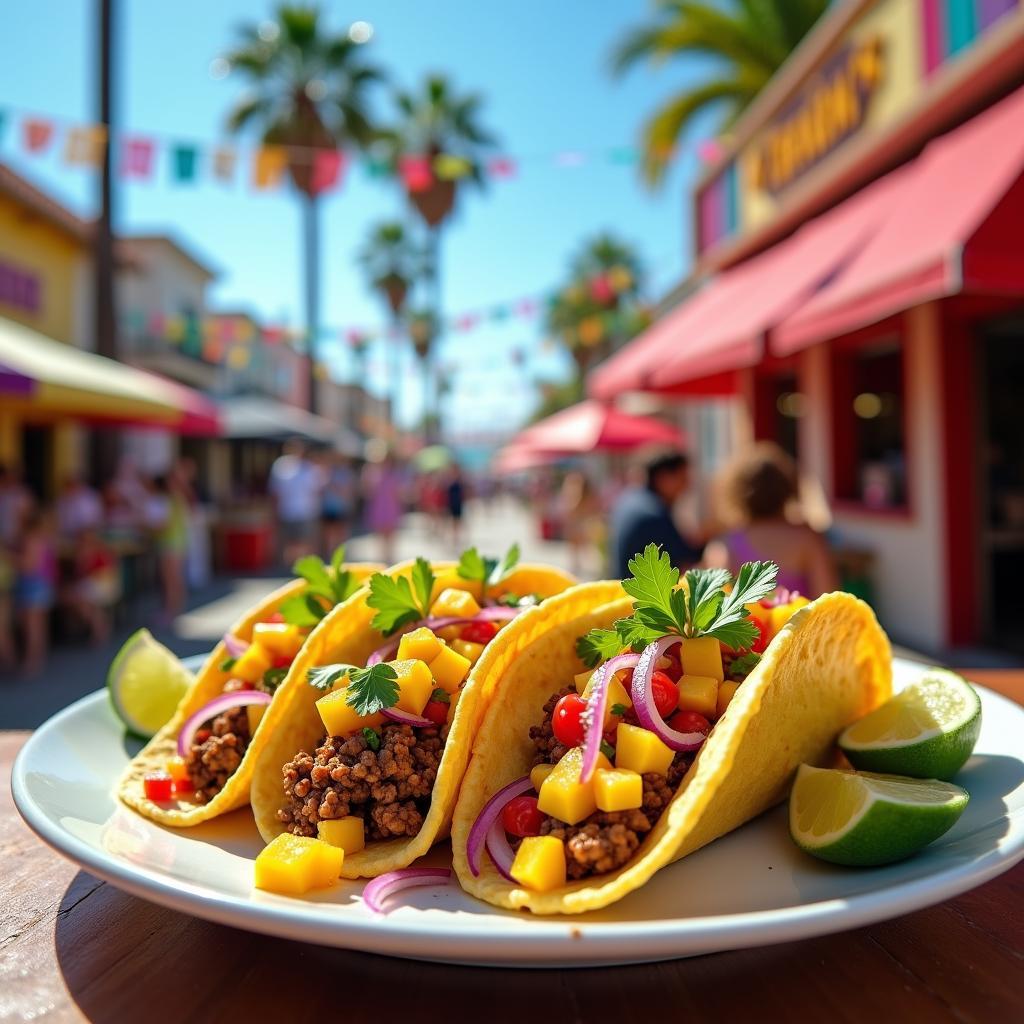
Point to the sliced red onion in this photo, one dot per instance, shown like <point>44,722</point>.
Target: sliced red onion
<point>593,716</point>
<point>643,700</point>
<point>500,850</point>
<point>407,718</point>
<point>488,816</point>
<point>226,701</point>
<point>378,890</point>
<point>780,597</point>
<point>235,645</point>
<point>495,614</point>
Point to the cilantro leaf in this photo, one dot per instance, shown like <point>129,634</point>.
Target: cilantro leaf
<point>701,586</point>
<point>323,677</point>
<point>423,583</point>
<point>736,634</point>
<point>372,689</point>
<point>598,645</point>
<point>273,678</point>
<point>754,581</point>
<point>634,633</point>
<point>653,580</point>
<point>312,569</point>
<point>440,696</point>
<point>619,709</point>
<point>472,566</point>
<point>227,664</point>
<point>707,611</point>
<point>302,610</point>
<point>508,562</point>
<point>338,559</point>
<point>372,738</point>
<point>488,571</point>
<point>608,750</point>
<point>392,599</point>
<point>742,666</point>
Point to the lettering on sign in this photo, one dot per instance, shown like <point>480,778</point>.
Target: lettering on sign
<point>19,288</point>
<point>831,108</point>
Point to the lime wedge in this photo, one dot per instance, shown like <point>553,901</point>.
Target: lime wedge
<point>146,682</point>
<point>927,731</point>
<point>861,819</point>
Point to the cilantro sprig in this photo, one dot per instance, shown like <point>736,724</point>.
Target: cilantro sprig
<point>399,600</point>
<point>326,586</point>
<point>369,689</point>
<point>488,572</point>
<point>702,607</point>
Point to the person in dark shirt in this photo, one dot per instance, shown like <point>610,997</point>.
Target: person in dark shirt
<point>643,515</point>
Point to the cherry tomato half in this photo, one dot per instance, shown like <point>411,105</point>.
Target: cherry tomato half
<point>158,786</point>
<point>274,617</point>
<point>566,722</point>
<point>520,816</point>
<point>282,661</point>
<point>675,669</point>
<point>666,694</point>
<point>482,632</point>
<point>183,786</point>
<point>690,721</point>
<point>436,711</point>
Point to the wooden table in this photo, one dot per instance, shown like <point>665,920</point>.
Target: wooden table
<point>73,947</point>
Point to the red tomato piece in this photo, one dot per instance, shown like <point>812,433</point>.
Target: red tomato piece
<point>761,641</point>
<point>183,786</point>
<point>666,694</point>
<point>690,721</point>
<point>436,711</point>
<point>566,723</point>
<point>482,632</point>
<point>274,617</point>
<point>282,661</point>
<point>521,817</point>
<point>674,655</point>
<point>202,736</point>
<point>158,786</point>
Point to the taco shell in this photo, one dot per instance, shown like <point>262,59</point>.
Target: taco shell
<point>209,684</point>
<point>346,636</point>
<point>827,667</point>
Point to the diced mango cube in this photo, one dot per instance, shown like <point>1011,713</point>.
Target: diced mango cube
<point>782,613</point>
<point>469,650</point>
<point>539,863</point>
<point>641,751</point>
<point>725,694</point>
<point>538,773</point>
<point>280,638</point>
<point>562,795</point>
<point>618,789</point>
<point>455,601</point>
<point>702,656</point>
<point>252,663</point>
<point>616,695</point>
<point>449,668</point>
<point>177,769</point>
<point>346,833</point>
<point>698,693</point>
<point>449,579</point>
<point>295,864</point>
<point>340,718</point>
<point>421,643</point>
<point>449,634</point>
<point>415,685</point>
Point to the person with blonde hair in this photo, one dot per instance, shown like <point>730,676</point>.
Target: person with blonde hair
<point>760,488</point>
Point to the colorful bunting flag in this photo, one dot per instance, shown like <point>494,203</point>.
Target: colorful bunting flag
<point>328,168</point>
<point>268,167</point>
<point>224,163</point>
<point>449,167</point>
<point>36,134</point>
<point>137,158</point>
<point>184,162</point>
<point>84,145</point>
<point>415,173</point>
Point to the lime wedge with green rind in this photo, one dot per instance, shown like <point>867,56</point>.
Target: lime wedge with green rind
<point>146,683</point>
<point>927,731</point>
<point>860,819</point>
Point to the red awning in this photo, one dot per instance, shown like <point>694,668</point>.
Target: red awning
<point>591,426</point>
<point>955,226</point>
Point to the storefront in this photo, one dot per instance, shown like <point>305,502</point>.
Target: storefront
<point>860,299</point>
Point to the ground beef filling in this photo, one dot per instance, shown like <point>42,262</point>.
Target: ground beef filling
<point>607,839</point>
<point>388,788</point>
<point>221,747</point>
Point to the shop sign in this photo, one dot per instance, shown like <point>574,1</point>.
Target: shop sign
<point>831,108</point>
<point>19,288</point>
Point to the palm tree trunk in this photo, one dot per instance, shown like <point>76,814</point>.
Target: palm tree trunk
<point>431,411</point>
<point>311,269</point>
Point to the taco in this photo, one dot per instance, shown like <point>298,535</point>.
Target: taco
<point>209,746</point>
<point>706,700</point>
<point>375,734</point>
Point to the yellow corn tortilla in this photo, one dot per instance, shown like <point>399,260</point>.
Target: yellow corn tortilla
<point>828,666</point>
<point>209,683</point>
<point>347,637</point>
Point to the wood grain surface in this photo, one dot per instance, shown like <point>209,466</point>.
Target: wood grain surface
<point>74,948</point>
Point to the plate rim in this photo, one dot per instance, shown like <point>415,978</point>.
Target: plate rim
<point>603,940</point>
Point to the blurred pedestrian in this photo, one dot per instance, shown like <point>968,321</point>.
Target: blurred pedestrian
<point>15,505</point>
<point>167,519</point>
<point>580,513</point>
<point>643,514</point>
<point>95,586</point>
<point>35,587</point>
<point>79,508</point>
<point>382,491</point>
<point>760,488</point>
<point>8,575</point>
<point>455,501</point>
<point>295,485</point>
<point>338,501</point>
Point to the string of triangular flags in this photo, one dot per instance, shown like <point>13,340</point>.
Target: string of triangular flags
<point>136,156</point>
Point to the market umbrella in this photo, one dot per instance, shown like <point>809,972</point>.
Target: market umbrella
<point>592,426</point>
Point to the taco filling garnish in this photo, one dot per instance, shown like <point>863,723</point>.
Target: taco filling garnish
<point>616,741</point>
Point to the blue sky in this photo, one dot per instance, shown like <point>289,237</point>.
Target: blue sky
<point>543,67</point>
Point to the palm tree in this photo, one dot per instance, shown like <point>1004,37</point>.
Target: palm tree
<point>308,92</point>
<point>392,263</point>
<point>751,39</point>
<point>435,123</point>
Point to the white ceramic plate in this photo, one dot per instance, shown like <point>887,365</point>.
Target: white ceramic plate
<point>752,887</point>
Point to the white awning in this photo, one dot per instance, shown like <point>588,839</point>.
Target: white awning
<point>256,417</point>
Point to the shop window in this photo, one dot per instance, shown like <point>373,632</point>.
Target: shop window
<point>870,456</point>
<point>778,410</point>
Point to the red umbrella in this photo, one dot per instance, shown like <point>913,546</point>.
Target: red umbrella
<point>592,426</point>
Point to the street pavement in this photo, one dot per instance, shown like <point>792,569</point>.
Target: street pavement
<point>76,670</point>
